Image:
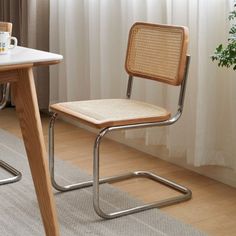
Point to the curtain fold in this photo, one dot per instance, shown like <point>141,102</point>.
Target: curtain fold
<point>92,36</point>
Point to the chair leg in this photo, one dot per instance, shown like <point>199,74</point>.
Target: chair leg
<point>5,95</point>
<point>16,174</point>
<point>56,185</point>
<point>186,193</point>
<point>80,185</point>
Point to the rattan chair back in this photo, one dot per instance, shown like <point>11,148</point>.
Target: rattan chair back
<point>157,52</point>
<point>6,26</point>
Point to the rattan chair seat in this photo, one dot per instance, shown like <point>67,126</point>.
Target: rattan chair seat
<point>111,112</point>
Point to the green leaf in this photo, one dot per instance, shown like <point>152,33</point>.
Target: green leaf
<point>226,55</point>
<point>219,48</point>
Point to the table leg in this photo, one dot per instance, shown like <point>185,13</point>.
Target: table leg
<point>25,99</point>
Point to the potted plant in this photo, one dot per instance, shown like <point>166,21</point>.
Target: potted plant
<point>226,55</point>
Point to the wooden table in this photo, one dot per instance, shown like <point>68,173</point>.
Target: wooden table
<point>16,68</point>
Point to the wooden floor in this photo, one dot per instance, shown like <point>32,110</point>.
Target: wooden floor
<point>212,208</point>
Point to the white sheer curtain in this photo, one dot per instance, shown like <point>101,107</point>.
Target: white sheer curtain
<point>92,36</point>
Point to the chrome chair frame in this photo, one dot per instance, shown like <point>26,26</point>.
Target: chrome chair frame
<point>6,26</point>
<point>186,193</point>
<point>5,95</point>
<point>16,174</point>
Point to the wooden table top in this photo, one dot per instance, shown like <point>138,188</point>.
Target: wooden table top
<point>21,57</point>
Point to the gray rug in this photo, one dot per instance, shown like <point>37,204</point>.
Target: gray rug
<point>19,213</point>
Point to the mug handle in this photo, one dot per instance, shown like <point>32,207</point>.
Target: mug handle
<point>15,42</point>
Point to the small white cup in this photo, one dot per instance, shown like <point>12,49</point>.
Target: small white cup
<point>5,42</point>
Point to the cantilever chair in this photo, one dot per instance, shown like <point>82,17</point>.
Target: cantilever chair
<point>156,52</point>
<point>16,175</point>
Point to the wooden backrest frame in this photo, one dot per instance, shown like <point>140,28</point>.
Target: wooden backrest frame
<point>6,26</point>
<point>132,67</point>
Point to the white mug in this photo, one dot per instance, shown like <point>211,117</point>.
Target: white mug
<point>5,42</point>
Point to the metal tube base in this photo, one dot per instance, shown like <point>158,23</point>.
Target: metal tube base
<point>5,95</point>
<point>186,194</point>
<point>16,174</point>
